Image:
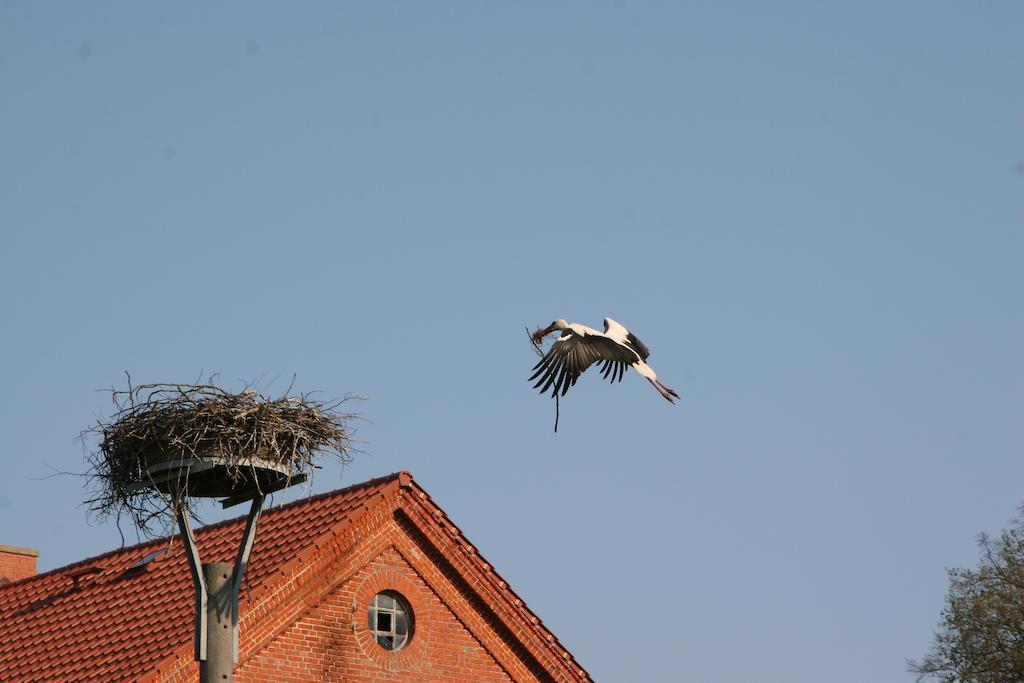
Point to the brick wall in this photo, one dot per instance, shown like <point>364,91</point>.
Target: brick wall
<point>332,642</point>
<point>17,563</point>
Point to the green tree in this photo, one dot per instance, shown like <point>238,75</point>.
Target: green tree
<point>981,631</point>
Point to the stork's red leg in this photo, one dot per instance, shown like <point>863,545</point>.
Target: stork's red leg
<point>660,384</point>
<point>660,390</point>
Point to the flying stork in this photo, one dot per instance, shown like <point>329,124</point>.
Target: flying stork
<point>581,346</point>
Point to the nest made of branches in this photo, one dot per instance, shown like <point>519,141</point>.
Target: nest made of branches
<point>157,423</point>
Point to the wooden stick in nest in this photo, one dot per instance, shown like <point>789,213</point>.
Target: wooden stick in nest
<point>540,352</point>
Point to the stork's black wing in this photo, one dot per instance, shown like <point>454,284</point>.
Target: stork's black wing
<point>612,370</point>
<point>572,353</point>
<point>638,346</point>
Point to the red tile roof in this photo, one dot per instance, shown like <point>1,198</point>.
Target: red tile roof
<point>53,631</point>
<point>103,619</point>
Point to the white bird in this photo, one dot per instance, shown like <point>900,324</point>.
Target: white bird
<point>581,346</point>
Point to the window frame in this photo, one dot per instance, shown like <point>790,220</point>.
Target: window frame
<point>394,607</point>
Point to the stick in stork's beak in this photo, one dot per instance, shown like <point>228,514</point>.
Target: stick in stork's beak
<point>540,334</point>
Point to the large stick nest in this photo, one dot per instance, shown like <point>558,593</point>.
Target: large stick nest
<point>157,423</point>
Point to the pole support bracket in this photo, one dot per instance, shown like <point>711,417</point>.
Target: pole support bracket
<point>195,566</point>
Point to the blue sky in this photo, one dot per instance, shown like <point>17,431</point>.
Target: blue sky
<point>811,212</point>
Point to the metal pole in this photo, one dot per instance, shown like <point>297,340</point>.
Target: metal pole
<point>195,567</point>
<point>241,563</point>
<point>218,665</point>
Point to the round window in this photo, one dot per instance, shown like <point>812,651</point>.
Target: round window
<point>390,620</point>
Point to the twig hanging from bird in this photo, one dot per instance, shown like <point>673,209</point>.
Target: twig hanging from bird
<point>540,352</point>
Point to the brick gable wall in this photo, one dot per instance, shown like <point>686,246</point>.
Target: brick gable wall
<point>331,642</point>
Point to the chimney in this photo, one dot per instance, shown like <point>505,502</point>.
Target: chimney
<point>16,563</point>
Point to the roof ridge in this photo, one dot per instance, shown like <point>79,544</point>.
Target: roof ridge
<point>376,481</point>
<point>165,539</point>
